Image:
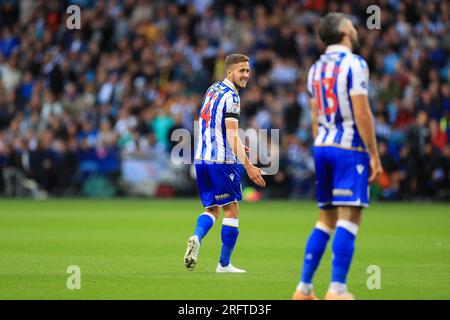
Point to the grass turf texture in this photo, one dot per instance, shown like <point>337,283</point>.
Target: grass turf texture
<point>133,249</point>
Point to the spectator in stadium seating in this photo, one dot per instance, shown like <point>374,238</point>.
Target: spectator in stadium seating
<point>438,138</point>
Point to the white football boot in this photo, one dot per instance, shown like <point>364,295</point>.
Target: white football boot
<point>190,257</point>
<point>229,268</point>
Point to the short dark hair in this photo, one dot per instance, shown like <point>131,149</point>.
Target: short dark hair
<point>329,28</point>
<point>235,58</point>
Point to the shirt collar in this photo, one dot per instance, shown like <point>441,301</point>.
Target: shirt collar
<point>337,48</point>
<point>230,84</point>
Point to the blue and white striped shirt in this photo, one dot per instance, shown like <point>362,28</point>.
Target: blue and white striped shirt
<point>336,76</point>
<point>221,101</point>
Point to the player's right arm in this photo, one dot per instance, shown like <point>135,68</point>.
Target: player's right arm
<point>238,148</point>
<point>363,115</point>
<point>312,104</point>
<point>315,121</point>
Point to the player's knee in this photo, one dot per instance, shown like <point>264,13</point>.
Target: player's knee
<point>328,219</point>
<point>329,226</point>
<point>231,210</point>
<point>352,214</point>
<point>214,211</point>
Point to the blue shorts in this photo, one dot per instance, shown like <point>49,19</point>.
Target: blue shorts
<point>342,177</point>
<point>219,183</point>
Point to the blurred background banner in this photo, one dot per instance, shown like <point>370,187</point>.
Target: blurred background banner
<point>90,111</point>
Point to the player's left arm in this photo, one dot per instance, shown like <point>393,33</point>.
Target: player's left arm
<point>254,173</point>
<point>232,111</point>
<point>363,114</point>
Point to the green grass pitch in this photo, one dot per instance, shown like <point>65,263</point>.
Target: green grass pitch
<point>133,249</point>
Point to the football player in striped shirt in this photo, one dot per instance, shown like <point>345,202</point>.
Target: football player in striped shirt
<point>345,153</point>
<point>217,153</point>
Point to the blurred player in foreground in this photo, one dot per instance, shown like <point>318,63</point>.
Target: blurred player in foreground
<point>345,153</point>
<point>217,151</point>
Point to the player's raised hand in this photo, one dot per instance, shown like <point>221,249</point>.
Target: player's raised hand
<point>375,168</point>
<point>254,174</point>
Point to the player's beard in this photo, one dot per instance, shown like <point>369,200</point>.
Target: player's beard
<point>237,84</point>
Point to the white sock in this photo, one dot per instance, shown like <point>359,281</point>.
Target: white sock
<point>305,288</point>
<point>213,218</point>
<point>338,288</point>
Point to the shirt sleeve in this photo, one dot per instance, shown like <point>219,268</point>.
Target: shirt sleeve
<point>358,76</point>
<point>232,106</point>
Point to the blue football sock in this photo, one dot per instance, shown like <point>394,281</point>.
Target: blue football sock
<point>204,223</point>
<point>229,233</point>
<point>315,247</point>
<point>343,248</point>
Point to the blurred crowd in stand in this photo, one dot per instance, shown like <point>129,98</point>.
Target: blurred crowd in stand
<point>75,104</point>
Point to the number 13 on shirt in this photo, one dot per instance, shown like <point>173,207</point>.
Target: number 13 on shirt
<point>330,96</point>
